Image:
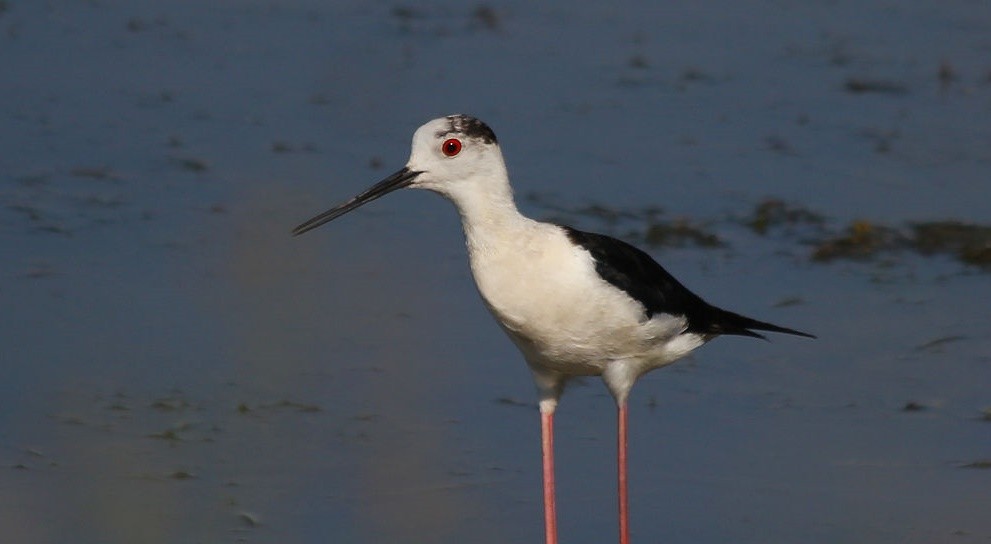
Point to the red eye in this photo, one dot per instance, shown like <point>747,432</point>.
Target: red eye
<point>451,147</point>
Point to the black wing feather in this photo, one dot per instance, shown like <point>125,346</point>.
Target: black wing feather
<point>640,276</point>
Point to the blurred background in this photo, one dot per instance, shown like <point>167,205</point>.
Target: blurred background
<point>177,368</point>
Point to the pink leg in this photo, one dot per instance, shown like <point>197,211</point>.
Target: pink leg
<point>547,443</point>
<point>624,500</point>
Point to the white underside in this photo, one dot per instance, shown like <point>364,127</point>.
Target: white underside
<point>567,320</point>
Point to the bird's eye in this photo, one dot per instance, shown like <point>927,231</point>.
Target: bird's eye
<point>451,147</point>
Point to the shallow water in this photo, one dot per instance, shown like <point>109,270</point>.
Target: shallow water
<point>177,368</point>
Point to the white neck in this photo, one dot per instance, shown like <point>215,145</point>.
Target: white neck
<point>488,214</point>
<point>484,200</point>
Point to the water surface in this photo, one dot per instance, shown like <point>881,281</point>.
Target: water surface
<point>178,368</point>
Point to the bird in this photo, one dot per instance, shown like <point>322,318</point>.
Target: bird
<point>575,303</point>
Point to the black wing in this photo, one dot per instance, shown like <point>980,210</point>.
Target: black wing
<point>640,276</point>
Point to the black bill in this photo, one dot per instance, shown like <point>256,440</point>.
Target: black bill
<point>398,180</point>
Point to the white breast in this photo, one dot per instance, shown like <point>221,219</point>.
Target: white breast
<point>547,295</point>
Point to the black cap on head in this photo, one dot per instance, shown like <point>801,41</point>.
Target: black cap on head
<point>471,127</point>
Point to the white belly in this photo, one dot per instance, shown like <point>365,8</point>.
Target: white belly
<point>546,294</point>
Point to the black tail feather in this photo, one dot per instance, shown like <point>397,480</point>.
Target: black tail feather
<point>720,321</point>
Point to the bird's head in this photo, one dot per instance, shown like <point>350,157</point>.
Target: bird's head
<point>455,156</point>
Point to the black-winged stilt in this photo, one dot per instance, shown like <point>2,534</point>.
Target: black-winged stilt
<point>574,303</point>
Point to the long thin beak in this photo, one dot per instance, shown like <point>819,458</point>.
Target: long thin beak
<point>398,180</point>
